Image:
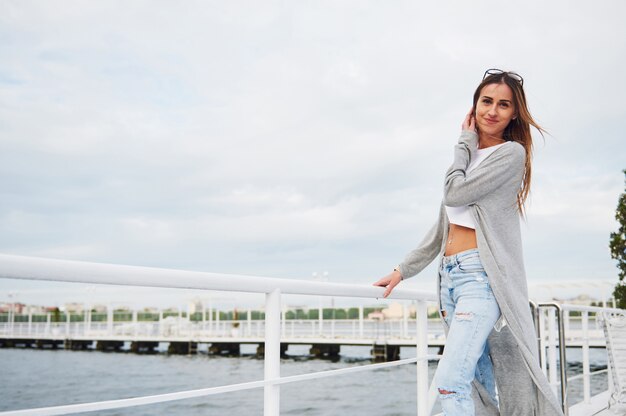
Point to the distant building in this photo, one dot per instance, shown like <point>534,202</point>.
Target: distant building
<point>195,306</point>
<point>99,308</point>
<point>35,310</point>
<point>394,311</point>
<point>76,308</point>
<point>16,308</point>
<point>376,315</point>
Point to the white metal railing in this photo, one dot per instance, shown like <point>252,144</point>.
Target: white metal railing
<point>558,319</point>
<point>163,330</point>
<point>18,267</point>
<point>553,321</point>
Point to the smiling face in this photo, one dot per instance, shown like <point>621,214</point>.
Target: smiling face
<point>495,109</point>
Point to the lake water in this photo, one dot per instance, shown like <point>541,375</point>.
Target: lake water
<point>38,378</point>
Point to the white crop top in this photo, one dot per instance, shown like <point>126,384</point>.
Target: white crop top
<point>461,215</point>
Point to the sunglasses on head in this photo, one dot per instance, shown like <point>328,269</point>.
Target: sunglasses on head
<point>494,71</point>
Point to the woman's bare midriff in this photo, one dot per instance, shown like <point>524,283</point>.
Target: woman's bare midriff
<point>460,239</point>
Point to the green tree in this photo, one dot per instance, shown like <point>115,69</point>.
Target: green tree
<point>258,315</point>
<point>56,315</point>
<point>340,314</point>
<point>617,245</point>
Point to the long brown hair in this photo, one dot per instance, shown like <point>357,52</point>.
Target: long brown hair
<point>518,129</point>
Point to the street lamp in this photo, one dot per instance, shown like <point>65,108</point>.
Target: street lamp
<point>322,277</point>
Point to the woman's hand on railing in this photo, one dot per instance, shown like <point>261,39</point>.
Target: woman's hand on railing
<point>390,281</point>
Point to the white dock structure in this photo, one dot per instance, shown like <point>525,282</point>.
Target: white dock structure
<point>400,332</point>
<point>556,327</point>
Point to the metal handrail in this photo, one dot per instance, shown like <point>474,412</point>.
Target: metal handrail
<point>19,267</point>
<point>37,268</point>
<point>561,309</point>
<point>562,354</point>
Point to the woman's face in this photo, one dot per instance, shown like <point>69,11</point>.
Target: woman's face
<point>495,109</point>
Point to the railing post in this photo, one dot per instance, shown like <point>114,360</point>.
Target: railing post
<point>405,321</point>
<point>249,320</point>
<point>11,318</point>
<point>534,308</point>
<point>110,319</point>
<point>562,350</point>
<point>85,312</point>
<point>562,359</point>
<point>542,340</point>
<point>271,405</point>
<point>552,350</point>
<point>283,326</point>
<point>361,321</point>
<point>320,317</point>
<point>422,365</point>
<point>135,323</point>
<point>203,319</point>
<point>586,377</point>
<point>210,318</point>
<point>179,318</point>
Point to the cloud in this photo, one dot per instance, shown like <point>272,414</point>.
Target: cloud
<point>283,138</point>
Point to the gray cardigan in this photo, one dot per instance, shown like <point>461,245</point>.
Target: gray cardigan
<point>490,190</point>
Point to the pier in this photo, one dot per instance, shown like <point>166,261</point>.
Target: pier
<point>184,335</point>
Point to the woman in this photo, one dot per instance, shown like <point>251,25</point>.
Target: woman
<point>482,284</point>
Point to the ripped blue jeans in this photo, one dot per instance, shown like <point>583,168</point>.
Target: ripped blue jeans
<point>470,311</point>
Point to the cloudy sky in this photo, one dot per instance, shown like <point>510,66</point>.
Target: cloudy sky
<point>280,138</point>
